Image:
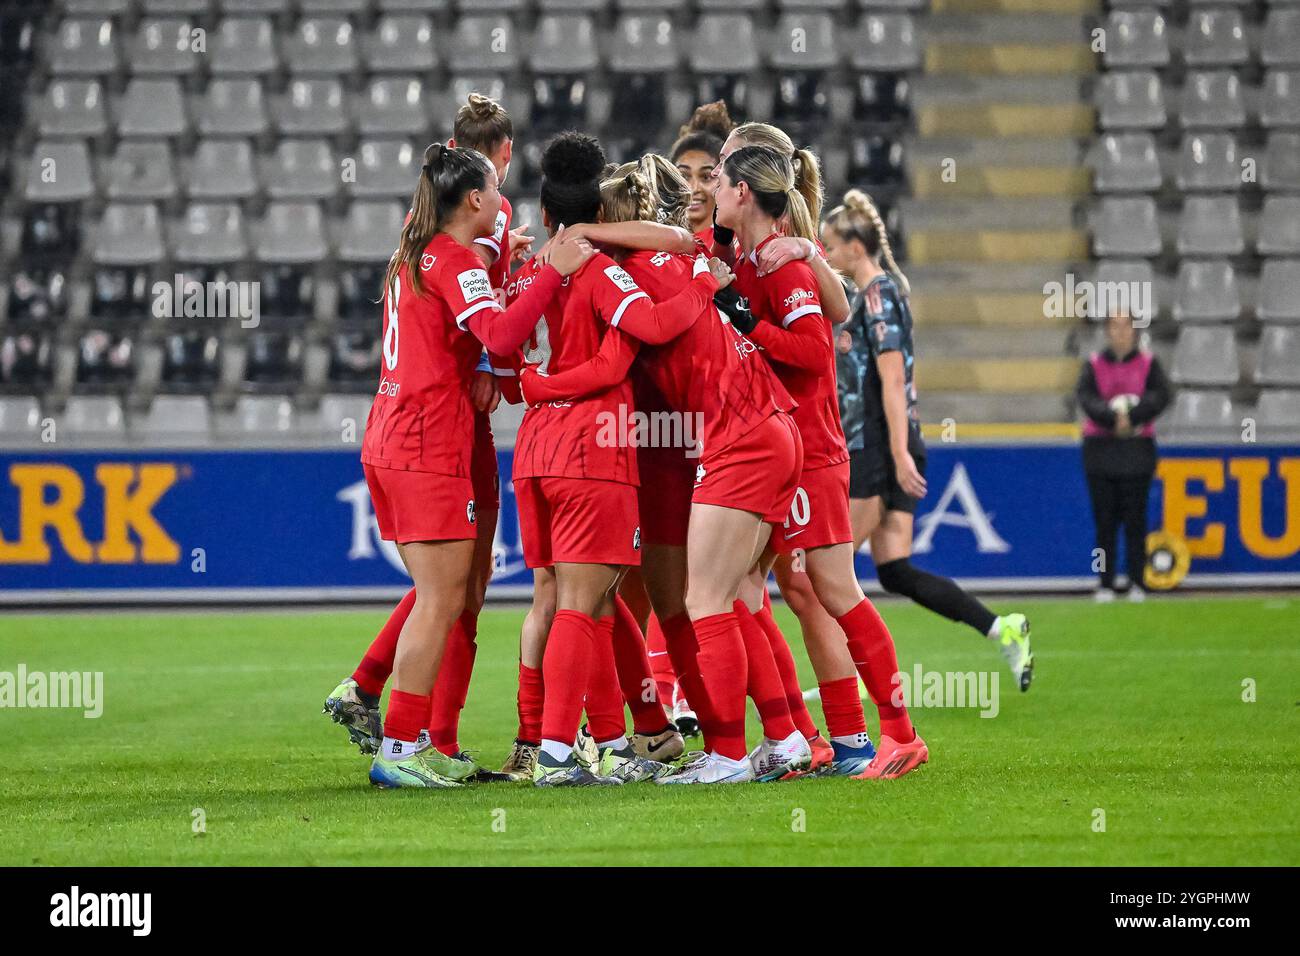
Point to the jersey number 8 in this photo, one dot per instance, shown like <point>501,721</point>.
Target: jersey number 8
<point>390,333</point>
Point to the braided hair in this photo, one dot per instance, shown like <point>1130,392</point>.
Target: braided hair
<point>858,218</point>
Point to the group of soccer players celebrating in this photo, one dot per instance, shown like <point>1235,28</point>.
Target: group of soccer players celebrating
<point>695,286</point>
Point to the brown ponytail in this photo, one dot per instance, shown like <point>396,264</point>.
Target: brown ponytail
<point>445,178</point>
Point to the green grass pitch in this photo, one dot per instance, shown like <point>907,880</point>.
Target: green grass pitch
<point>1137,711</point>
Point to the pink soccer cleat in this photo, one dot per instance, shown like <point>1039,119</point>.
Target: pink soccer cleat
<point>893,759</point>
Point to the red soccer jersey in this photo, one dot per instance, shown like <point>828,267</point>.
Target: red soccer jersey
<point>782,298</point>
<point>422,418</point>
<point>581,438</point>
<point>499,245</point>
<point>710,368</point>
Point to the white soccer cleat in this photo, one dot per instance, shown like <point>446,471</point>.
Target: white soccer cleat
<point>1136,595</point>
<point>1103,596</point>
<point>585,750</point>
<point>775,759</point>
<point>712,769</point>
<point>685,719</point>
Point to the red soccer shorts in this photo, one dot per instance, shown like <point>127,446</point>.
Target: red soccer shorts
<point>419,506</point>
<point>758,473</point>
<point>819,513</point>
<point>483,466</point>
<point>578,521</point>
<point>665,494</point>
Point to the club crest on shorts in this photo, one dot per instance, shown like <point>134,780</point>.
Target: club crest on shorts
<point>699,474</point>
<point>469,511</point>
<point>636,539</point>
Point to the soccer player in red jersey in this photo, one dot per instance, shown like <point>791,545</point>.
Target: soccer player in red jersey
<point>744,476</point>
<point>756,190</point>
<point>822,635</point>
<point>575,486</point>
<point>483,125</point>
<point>697,151</point>
<point>419,441</point>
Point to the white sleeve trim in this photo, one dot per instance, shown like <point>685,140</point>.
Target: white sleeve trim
<point>476,307</point>
<point>618,314</point>
<point>813,309</point>
<point>490,242</point>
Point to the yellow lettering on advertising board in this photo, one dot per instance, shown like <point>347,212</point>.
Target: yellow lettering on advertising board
<point>1250,474</point>
<point>1180,504</point>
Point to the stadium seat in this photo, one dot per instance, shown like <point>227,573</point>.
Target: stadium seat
<point>476,7</point>
<point>1126,226</point>
<point>301,169</point>
<point>273,359</point>
<point>129,235</point>
<point>243,46</point>
<point>1279,291</point>
<point>102,8</point>
<point>1130,101</point>
<point>647,6</point>
<point>260,7</point>
<point>1210,226</point>
<point>401,44</point>
<point>291,233</point>
<point>231,108</point>
<point>885,42</point>
<point>323,46</point>
<point>1278,411</point>
<point>1279,355</point>
<point>178,6</point>
<point>414,6</point>
<point>724,43</point>
<point>210,233</point>
<point>191,360</point>
<point>1113,272</point>
<point>176,416</point>
<point>94,416</point>
<point>1281,166</point>
<point>817,52</point>
<point>1206,415</point>
<point>222,169</point>
<point>369,232</point>
<point>311,107</point>
<point>105,359</point>
<point>564,45</point>
<point>386,167</point>
<point>263,415</point>
<point>84,48</point>
<point>20,416</point>
<point>1215,38</point>
<point>1205,355</point>
<point>357,8</point>
<point>483,44</point>
<point>1208,161</point>
<point>644,43</point>
<point>38,292</point>
<point>59,172</point>
<point>1280,99</point>
<point>1212,99</point>
<point>51,230</point>
<point>1280,43</point>
<point>152,108</point>
<point>164,46</point>
<point>25,359</point>
<point>392,106</point>
<point>1279,227</point>
<point>1136,38</point>
<point>72,108</point>
<point>1207,292</point>
<point>141,170</point>
<point>1125,162</point>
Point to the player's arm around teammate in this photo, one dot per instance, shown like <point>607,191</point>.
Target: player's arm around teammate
<point>419,438</point>
<point>756,191</point>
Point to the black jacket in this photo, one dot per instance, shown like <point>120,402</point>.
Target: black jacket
<point>1110,454</point>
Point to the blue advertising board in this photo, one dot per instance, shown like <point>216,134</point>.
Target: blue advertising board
<point>203,525</point>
